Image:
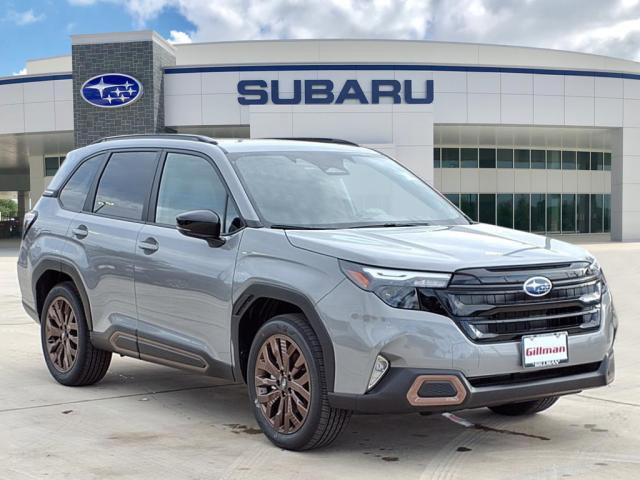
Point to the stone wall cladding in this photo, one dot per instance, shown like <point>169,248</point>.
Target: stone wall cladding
<point>143,60</point>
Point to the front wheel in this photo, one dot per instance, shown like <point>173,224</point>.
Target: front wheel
<point>287,386</point>
<point>524,408</point>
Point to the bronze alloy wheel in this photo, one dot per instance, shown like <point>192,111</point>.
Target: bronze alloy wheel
<point>61,334</point>
<point>283,388</point>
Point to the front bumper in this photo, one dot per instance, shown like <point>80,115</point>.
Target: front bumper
<point>393,393</point>
<point>361,327</point>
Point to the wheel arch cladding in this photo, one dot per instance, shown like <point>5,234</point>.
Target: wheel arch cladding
<point>50,273</point>
<point>260,302</point>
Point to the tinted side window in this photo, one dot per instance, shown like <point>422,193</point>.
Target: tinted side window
<point>189,183</point>
<point>124,185</point>
<point>74,193</point>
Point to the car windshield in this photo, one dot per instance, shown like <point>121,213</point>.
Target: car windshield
<point>333,189</point>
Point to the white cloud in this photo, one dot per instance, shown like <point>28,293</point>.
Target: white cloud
<point>607,27</point>
<point>22,71</point>
<point>24,18</point>
<point>176,36</point>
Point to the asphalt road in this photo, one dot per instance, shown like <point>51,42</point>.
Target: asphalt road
<point>148,421</point>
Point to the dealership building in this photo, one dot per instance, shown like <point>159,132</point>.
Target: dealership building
<point>534,139</point>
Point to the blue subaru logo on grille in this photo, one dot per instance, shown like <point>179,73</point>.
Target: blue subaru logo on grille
<point>537,286</point>
<point>111,90</point>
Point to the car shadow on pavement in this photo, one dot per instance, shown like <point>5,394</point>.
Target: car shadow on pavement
<point>224,409</point>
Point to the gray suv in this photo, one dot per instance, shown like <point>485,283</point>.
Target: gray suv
<point>324,275</point>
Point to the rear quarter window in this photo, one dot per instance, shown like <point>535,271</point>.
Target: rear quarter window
<point>74,193</point>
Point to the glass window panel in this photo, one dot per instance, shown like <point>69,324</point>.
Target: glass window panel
<point>505,210</point>
<point>607,161</point>
<point>553,212</point>
<point>436,158</point>
<point>582,213</point>
<point>488,208</point>
<point>469,157</point>
<point>597,160</point>
<point>469,205</point>
<point>584,159</point>
<point>553,159</point>
<point>569,213</point>
<point>319,189</point>
<point>450,157</point>
<point>125,184</point>
<point>607,213</point>
<point>74,193</point>
<point>232,221</point>
<point>521,211</point>
<point>596,213</point>
<point>51,165</point>
<point>453,198</point>
<point>538,159</point>
<point>538,212</point>
<point>568,160</point>
<point>505,158</point>
<point>188,183</point>
<point>521,158</point>
<point>487,158</point>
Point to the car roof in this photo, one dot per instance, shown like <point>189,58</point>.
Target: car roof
<point>235,145</point>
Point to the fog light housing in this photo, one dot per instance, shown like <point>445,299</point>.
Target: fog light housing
<point>380,367</point>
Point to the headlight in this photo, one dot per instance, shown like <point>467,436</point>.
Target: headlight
<point>396,288</point>
<point>28,221</point>
<point>596,269</point>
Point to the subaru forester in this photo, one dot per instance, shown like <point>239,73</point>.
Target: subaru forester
<point>325,275</point>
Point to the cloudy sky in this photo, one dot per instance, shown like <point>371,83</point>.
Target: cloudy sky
<point>40,28</point>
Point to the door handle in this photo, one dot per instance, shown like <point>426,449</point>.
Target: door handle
<point>149,245</point>
<point>80,231</point>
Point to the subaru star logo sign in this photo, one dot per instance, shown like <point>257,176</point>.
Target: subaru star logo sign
<point>111,90</point>
<point>537,286</point>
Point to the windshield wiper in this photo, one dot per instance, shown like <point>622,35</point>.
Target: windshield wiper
<point>296,227</point>
<point>393,224</point>
<point>371,225</point>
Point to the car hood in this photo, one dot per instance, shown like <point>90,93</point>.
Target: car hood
<point>437,248</point>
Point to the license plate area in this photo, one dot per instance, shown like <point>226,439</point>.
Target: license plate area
<point>545,350</point>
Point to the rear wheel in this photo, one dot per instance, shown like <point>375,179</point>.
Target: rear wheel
<point>524,408</point>
<point>71,358</point>
<point>287,386</point>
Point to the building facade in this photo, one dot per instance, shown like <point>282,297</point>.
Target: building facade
<point>534,139</point>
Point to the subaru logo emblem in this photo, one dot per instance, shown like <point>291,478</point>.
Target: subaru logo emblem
<point>111,90</point>
<point>537,286</point>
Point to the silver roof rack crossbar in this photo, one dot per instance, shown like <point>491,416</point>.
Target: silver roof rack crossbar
<point>171,136</point>
<point>338,141</point>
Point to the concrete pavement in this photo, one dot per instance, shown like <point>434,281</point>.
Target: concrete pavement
<point>148,421</point>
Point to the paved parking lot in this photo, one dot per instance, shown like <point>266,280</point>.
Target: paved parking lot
<point>147,421</point>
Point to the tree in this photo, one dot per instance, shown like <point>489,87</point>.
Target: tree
<point>8,209</point>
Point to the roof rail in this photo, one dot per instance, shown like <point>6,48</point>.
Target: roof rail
<point>338,141</point>
<point>172,136</point>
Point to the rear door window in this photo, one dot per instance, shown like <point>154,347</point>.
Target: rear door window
<point>125,184</point>
<point>74,193</point>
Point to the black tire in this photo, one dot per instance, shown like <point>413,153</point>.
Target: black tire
<point>524,408</point>
<point>322,423</point>
<point>90,364</point>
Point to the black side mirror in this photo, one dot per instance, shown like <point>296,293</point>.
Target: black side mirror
<point>203,224</point>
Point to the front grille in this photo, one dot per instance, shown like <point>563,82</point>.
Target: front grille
<point>489,304</point>
<point>533,376</point>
